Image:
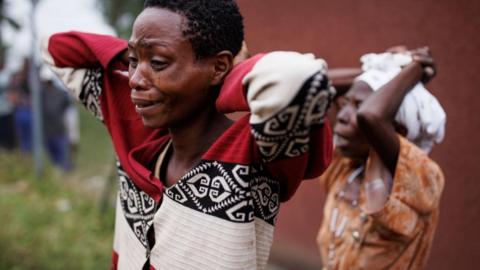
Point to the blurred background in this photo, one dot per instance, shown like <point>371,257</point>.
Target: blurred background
<point>57,176</point>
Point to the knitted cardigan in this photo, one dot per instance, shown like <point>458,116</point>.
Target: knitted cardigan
<point>221,214</point>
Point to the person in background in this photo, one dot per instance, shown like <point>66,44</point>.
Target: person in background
<point>383,190</point>
<point>72,125</point>
<point>198,190</point>
<point>55,102</point>
<point>7,126</point>
<point>20,95</point>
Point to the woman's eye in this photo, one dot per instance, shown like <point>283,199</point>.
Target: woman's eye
<point>358,103</point>
<point>158,64</point>
<point>132,61</point>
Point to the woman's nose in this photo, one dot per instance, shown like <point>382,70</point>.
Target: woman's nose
<point>345,114</point>
<point>138,80</point>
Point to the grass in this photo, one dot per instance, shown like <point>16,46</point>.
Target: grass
<point>58,222</point>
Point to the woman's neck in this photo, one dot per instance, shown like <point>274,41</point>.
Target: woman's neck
<point>193,138</point>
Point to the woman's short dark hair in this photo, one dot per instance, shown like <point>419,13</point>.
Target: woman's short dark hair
<point>212,25</point>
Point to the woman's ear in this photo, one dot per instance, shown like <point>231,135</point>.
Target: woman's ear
<point>223,64</point>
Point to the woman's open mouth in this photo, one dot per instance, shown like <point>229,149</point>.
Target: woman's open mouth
<point>143,106</point>
<point>339,141</point>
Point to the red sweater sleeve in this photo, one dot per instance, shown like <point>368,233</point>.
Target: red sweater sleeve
<point>287,95</point>
<point>84,50</point>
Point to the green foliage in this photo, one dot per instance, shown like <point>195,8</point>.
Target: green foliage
<point>48,225</point>
<point>121,13</point>
<point>57,222</point>
<point>95,151</point>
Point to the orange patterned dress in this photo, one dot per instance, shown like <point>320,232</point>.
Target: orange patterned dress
<point>400,235</point>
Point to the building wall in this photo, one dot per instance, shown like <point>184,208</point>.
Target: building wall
<point>342,30</point>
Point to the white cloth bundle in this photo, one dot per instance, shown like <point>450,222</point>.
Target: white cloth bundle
<point>420,112</point>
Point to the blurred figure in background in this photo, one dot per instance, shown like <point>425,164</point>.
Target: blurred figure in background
<point>21,97</point>
<point>55,102</point>
<point>72,126</point>
<point>7,126</point>
<point>383,190</point>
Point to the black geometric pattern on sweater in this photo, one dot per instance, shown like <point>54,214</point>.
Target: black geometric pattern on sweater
<point>233,192</point>
<point>138,207</point>
<point>91,91</point>
<point>286,134</point>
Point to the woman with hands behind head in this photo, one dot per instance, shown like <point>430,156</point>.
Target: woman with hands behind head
<point>197,190</point>
<point>383,190</point>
